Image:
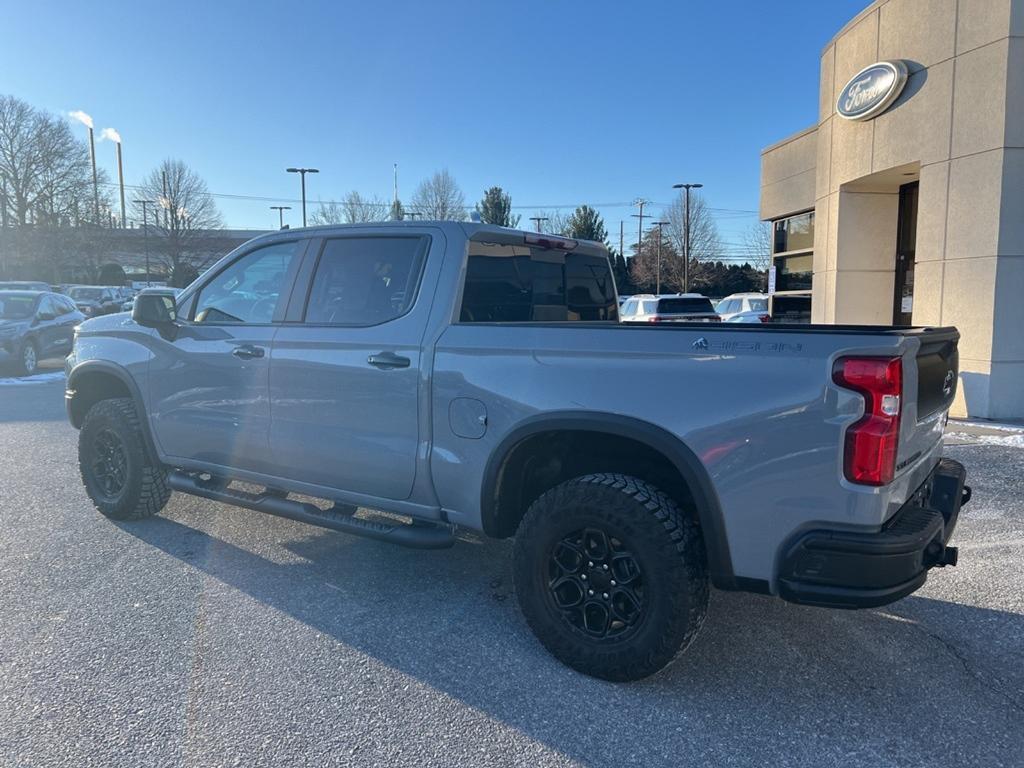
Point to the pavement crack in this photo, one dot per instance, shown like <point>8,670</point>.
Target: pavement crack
<point>993,684</point>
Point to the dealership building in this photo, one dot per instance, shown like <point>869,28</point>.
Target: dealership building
<point>904,203</point>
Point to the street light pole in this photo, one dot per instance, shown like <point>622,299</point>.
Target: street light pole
<point>145,232</point>
<point>660,224</point>
<point>302,172</point>
<point>686,234</point>
<point>537,220</point>
<point>280,213</point>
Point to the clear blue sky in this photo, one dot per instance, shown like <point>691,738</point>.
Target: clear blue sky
<point>558,102</point>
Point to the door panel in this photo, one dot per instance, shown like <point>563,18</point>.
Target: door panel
<point>209,383</point>
<point>345,383</point>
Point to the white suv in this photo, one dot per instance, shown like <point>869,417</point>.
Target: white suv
<point>737,303</point>
<point>673,308</point>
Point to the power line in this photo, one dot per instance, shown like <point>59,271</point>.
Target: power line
<point>538,207</point>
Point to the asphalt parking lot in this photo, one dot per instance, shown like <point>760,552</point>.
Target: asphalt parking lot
<point>217,636</point>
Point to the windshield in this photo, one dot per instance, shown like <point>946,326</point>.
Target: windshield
<point>16,307</point>
<point>85,294</point>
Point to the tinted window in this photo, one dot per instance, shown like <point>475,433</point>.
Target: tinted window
<point>47,308</point>
<point>15,306</point>
<point>512,283</point>
<point>365,280</point>
<point>791,309</point>
<point>681,306</point>
<point>794,273</point>
<point>249,289</point>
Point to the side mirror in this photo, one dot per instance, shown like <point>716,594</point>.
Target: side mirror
<point>154,310</point>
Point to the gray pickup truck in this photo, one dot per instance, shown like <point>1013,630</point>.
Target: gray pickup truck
<point>404,381</point>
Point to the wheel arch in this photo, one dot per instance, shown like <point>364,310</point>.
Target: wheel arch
<point>499,522</point>
<point>92,381</point>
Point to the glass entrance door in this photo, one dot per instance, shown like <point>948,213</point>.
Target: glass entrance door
<point>906,242</point>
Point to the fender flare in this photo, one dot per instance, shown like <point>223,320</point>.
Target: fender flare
<point>120,373</point>
<point>685,461</point>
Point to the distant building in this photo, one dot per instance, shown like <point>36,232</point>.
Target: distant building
<point>905,202</point>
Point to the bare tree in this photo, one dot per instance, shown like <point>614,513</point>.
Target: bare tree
<point>182,219</point>
<point>705,244</point>
<point>439,198</point>
<point>45,172</point>
<point>353,209</point>
<point>557,223</point>
<point>757,243</point>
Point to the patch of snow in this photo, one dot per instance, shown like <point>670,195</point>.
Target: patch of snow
<point>39,378</point>
<point>988,425</point>
<point>1011,441</point>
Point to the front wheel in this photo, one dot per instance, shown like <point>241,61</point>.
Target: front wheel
<point>28,358</point>
<point>611,576</point>
<point>122,480</point>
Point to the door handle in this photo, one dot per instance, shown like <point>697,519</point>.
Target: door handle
<point>247,351</point>
<point>388,360</point>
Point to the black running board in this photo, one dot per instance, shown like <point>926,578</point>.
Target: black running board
<point>416,535</point>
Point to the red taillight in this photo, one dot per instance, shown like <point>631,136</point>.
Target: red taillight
<point>871,443</point>
<point>765,318</point>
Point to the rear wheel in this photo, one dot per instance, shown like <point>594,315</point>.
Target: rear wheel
<point>611,576</point>
<point>28,358</point>
<point>122,480</point>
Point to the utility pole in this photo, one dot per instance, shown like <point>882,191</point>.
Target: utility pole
<point>660,224</point>
<point>622,237</point>
<point>537,220</point>
<point>167,205</point>
<point>640,223</point>
<point>145,232</point>
<point>280,213</point>
<point>302,172</point>
<point>686,234</point>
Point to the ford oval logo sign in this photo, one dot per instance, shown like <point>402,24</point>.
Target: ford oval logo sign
<point>872,90</point>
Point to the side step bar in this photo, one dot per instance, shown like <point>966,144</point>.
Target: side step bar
<point>416,535</point>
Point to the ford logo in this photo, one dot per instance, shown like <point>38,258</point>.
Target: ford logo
<point>872,90</point>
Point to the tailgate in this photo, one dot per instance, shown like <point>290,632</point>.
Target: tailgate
<point>937,371</point>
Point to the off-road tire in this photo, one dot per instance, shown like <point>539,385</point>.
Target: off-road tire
<point>28,368</point>
<point>144,491</point>
<point>668,550</point>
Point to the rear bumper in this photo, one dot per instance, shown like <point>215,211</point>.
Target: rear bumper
<point>842,569</point>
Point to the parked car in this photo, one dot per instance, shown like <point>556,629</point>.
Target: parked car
<point>94,300</point>
<point>129,304</point>
<point>674,308</point>
<point>472,376</point>
<point>23,285</point>
<point>737,303</point>
<point>34,326</point>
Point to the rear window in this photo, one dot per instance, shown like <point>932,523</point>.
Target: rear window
<point>684,306</point>
<point>513,283</point>
<point>759,305</point>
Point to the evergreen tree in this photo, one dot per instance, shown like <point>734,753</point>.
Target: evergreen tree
<point>397,212</point>
<point>586,224</point>
<point>496,208</point>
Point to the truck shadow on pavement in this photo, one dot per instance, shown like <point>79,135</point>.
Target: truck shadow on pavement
<point>764,678</point>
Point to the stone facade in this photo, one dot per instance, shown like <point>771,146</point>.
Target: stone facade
<point>957,129</point>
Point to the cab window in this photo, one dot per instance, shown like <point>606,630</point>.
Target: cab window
<point>249,289</point>
<point>365,280</point>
